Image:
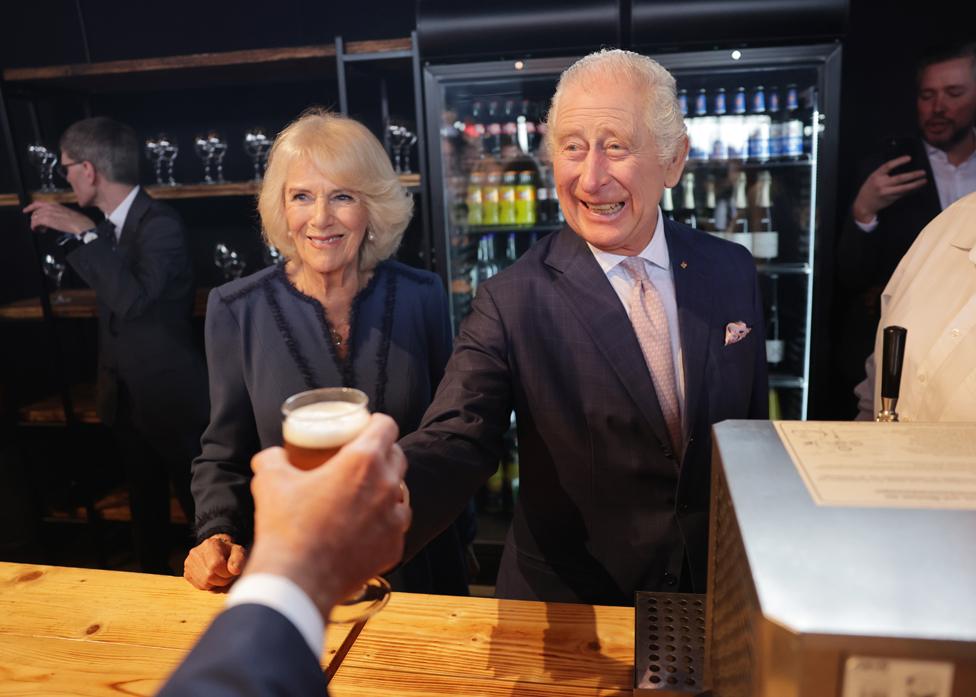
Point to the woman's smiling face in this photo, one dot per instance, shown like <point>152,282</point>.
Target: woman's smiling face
<point>326,221</point>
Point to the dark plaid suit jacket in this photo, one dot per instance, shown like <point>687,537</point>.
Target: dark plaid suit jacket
<point>605,506</point>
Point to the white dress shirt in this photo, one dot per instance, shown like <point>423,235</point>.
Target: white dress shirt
<point>951,181</point>
<point>933,295</point>
<point>657,262</point>
<point>284,596</point>
<point>116,217</point>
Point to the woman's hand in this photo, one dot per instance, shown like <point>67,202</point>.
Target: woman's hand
<point>214,563</point>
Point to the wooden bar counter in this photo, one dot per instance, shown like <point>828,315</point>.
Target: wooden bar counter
<point>87,632</point>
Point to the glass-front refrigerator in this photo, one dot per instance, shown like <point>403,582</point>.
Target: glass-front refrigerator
<point>762,124</point>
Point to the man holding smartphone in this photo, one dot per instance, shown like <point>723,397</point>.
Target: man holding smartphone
<point>907,185</point>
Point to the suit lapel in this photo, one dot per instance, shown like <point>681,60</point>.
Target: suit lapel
<point>591,298</point>
<point>694,301</point>
<point>140,204</point>
<point>929,192</point>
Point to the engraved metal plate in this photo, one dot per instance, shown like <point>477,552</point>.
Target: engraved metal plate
<point>669,644</point>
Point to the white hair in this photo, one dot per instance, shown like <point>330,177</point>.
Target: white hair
<point>662,117</point>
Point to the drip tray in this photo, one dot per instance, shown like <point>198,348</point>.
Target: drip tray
<point>669,644</point>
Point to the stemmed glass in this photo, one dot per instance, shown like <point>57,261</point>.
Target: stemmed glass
<point>229,262</point>
<point>168,150</point>
<point>54,270</point>
<point>315,425</point>
<point>271,255</point>
<point>153,153</point>
<point>401,140</point>
<point>256,145</point>
<point>211,148</point>
<point>44,160</point>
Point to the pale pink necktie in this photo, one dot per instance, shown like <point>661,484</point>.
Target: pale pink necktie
<point>651,326</point>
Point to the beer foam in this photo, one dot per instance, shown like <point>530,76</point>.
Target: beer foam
<point>324,424</point>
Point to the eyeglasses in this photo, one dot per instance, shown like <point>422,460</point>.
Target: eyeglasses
<point>62,169</point>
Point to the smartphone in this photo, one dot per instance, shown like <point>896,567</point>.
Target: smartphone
<point>897,147</point>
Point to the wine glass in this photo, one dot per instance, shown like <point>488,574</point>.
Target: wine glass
<point>229,262</point>
<point>54,271</point>
<point>44,160</point>
<point>271,255</point>
<point>168,150</point>
<point>203,149</point>
<point>256,145</point>
<point>218,148</point>
<point>315,425</point>
<point>154,154</point>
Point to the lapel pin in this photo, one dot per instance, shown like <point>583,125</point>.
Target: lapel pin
<point>684,264</point>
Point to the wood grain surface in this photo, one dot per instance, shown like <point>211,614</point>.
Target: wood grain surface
<point>92,632</point>
<point>424,644</point>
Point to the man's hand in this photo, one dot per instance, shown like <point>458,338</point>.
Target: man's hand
<point>54,216</point>
<point>881,188</point>
<point>332,528</point>
<point>214,563</point>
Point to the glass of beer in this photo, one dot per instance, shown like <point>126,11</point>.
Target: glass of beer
<point>315,425</point>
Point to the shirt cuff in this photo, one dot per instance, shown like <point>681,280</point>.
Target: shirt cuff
<point>868,226</point>
<point>89,236</point>
<point>284,596</point>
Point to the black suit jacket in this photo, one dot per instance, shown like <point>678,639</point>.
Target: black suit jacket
<point>867,259</point>
<point>248,650</point>
<point>865,262</point>
<point>144,287</point>
<point>605,506</point>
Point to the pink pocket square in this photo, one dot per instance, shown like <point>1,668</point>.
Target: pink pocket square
<point>735,331</point>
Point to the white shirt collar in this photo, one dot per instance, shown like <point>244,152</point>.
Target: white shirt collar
<point>940,155</point>
<point>121,212</point>
<point>655,252</point>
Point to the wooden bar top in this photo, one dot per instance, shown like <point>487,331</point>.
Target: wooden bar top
<point>89,632</point>
<point>430,644</point>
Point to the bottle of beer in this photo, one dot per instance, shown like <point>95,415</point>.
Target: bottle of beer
<point>506,198</point>
<point>525,208</point>
<point>667,204</point>
<point>774,345</point>
<point>758,126</point>
<point>686,214</point>
<point>720,129</point>
<point>765,240</point>
<point>707,219</point>
<point>775,123</point>
<point>474,201</point>
<point>474,126</point>
<point>493,130</point>
<point>793,130</point>
<point>741,232</point>
<point>490,196</point>
<point>527,136</point>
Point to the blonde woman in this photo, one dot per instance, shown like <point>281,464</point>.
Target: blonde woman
<point>339,312</point>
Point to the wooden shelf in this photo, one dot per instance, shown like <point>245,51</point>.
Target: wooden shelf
<point>80,305</point>
<point>50,412</point>
<point>297,62</point>
<point>9,200</point>
<point>184,191</point>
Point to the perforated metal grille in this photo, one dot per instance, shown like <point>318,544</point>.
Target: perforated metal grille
<point>733,601</point>
<point>669,644</point>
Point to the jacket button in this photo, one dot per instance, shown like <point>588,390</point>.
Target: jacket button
<point>670,579</point>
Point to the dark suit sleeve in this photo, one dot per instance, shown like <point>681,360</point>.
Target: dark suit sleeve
<point>130,286</point>
<point>222,472</point>
<point>459,442</point>
<point>248,650</point>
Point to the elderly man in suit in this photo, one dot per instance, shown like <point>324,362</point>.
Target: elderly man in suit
<point>618,341</point>
<point>152,381</point>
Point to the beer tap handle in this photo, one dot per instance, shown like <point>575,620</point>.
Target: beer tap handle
<point>892,360</point>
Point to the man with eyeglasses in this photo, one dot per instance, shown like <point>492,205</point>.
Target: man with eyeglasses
<point>151,376</point>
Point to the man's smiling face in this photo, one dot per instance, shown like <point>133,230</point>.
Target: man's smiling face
<point>608,174</point>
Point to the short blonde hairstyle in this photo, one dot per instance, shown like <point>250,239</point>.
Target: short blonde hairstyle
<point>662,118</point>
<point>347,153</point>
